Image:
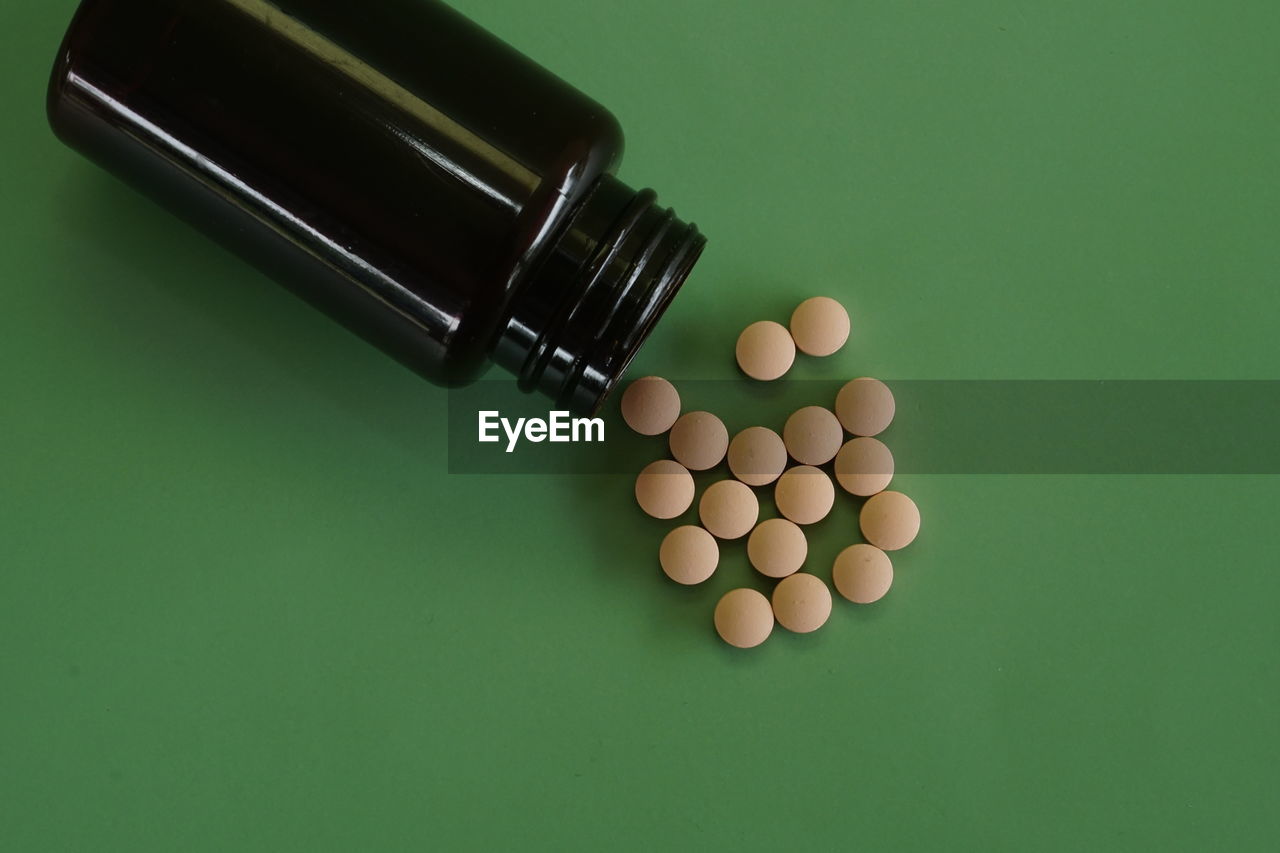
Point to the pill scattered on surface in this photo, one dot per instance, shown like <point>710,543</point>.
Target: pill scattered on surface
<point>664,489</point>
<point>813,435</point>
<point>801,603</point>
<point>689,555</point>
<point>757,456</point>
<point>744,618</point>
<point>864,466</point>
<point>729,509</point>
<point>777,548</point>
<point>804,494</point>
<point>865,406</point>
<point>699,440</point>
<point>890,520</point>
<point>765,350</point>
<point>862,573</point>
<point>650,405</point>
<point>820,326</point>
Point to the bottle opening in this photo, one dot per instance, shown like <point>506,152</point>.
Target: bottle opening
<point>577,324</point>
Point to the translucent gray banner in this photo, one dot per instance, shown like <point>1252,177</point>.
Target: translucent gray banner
<point>941,427</point>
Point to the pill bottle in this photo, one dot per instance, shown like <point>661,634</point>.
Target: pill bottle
<point>393,163</point>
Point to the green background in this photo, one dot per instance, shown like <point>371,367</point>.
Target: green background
<point>244,607</point>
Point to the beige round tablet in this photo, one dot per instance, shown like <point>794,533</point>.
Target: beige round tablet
<point>757,456</point>
<point>729,509</point>
<point>864,466</point>
<point>650,405</point>
<point>890,520</point>
<point>862,573</point>
<point>813,435</point>
<point>801,603</point>
<point>664,489</point>
<point>865,406</point>
<point>820,326</point>
<point>699,440</point>
<point>689,554</point>
<point>744,618</point>
<point>765,350</point>
<point>804,494</point>
<point>777,548</point>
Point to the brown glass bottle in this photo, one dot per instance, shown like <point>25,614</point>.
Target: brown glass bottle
<point>394,164</point>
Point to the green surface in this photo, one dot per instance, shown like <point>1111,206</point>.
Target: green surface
<point>243,607</point>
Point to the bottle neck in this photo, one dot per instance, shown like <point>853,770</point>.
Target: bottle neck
<point>576,324</point>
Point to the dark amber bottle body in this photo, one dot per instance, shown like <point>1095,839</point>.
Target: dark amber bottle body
<point>394,164</point>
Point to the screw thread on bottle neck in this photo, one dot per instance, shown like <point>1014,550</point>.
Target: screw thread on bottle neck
<point>591,304</point>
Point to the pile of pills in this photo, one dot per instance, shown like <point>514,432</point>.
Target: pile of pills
<point>840,438</point>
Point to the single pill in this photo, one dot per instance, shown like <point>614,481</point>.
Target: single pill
<point>777,548</point>
<point>664,489</point>
<point>650,405</point>
<point>890,520</point>
<point>689,554</point>
<point>744,618</point>
<point>813,435</point>
<point>804,494</point>
<point>729,509</point>
<point>865,406</point>
<point>699,440</point>
<point>864,466</point>
<point>765,350</point>
<point>820,326</point>
<point>757,456</point>
<point>862,573</point>
<point>801,603</point>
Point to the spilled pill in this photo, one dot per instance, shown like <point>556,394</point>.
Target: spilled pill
<point>890,520</point>
<point>804,494</point>
<point>650,405</point>
<point>728,509</point>
<point>862,573</point>
<point>812,435</point>
<point>699,440</point>
<point>757,456</point>
<point>777,548</point>
<point>765,350</point>
<point>744,618</point>
<point>865,406</point>
<point>664,489</point>
<point>801,603</point>
<point>820,326</point>
<point>864,466</point>
<point>689,555</point>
